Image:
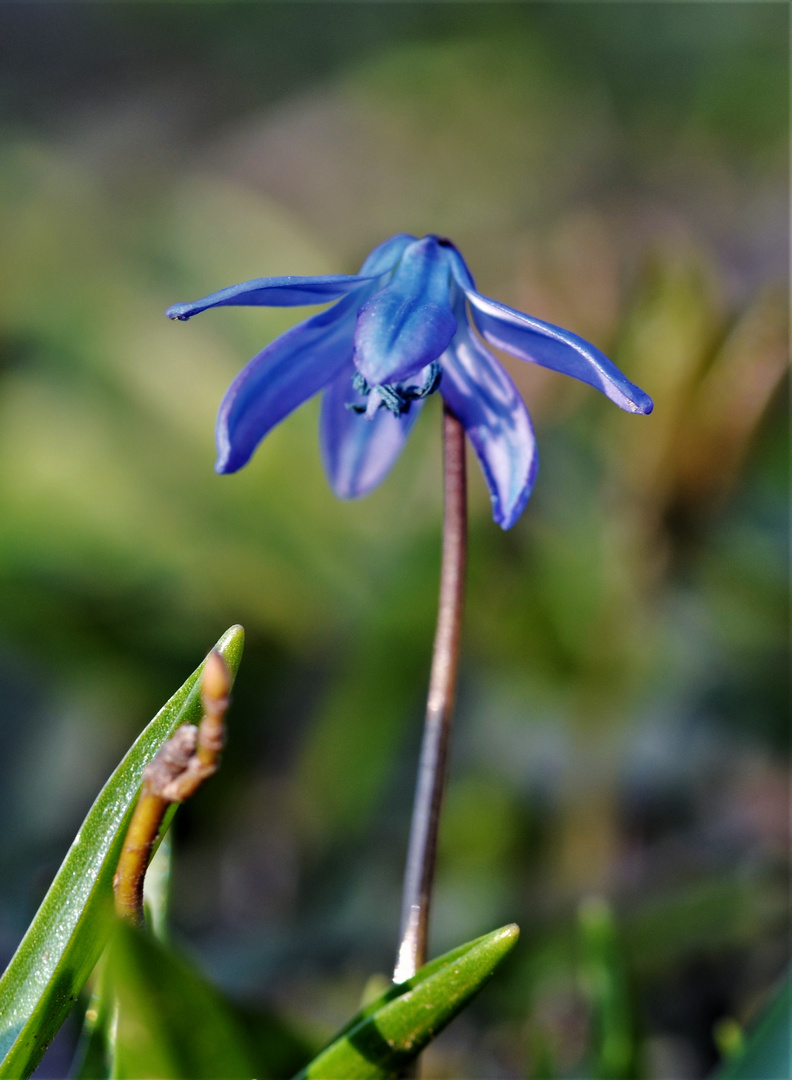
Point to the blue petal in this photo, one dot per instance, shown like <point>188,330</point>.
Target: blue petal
<point>291,369</point>
<point>294,291</point>
<point>385,255</point>
<point>358,453</point>
<point>552,347</point>
<point>274,292</point>
<point>479,391</point>
<point>459,268</point>
<point>408,324</point>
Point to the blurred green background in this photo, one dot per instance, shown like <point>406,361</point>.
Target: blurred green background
<point>620,169</point>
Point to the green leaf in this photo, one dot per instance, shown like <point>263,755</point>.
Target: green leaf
<point>767,1051</point>
<point>151,1014</point>
<point>382,1039</point>
<point>605,983</point>
<point>171,1024</point>
<point>70,929</point>
<point>91,1061</point>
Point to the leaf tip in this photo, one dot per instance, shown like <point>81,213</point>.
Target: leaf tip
<point>231,645</point>
<point>506,937</point>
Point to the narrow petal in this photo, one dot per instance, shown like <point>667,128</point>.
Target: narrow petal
<point>274,292</point>
<point>409,323</point>
<point>551,347</point>
<point>294,291</point>
<point>290,370</point>
<point>479,391</point>
<point>357,452</point>
<point>459,268</point>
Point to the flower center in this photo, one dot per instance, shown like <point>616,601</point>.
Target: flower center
<point>395,397</point>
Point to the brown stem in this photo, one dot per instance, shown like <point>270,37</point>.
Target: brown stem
<point>178,768</point>
<point>422,849</point>
<point>131,872</point>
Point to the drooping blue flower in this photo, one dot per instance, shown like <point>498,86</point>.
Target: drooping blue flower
<point>400,330</point>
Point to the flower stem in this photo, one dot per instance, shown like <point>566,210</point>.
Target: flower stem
<point>422,849</point>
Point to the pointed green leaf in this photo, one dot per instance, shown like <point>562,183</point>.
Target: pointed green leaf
<point>171,1024</point>
<point>396,990</point>
<point>387,1035</point>
<point>768,1049</point>
<point>70,929</point>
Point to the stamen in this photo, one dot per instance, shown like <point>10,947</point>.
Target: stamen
<point>395,397</point>
<point>360,384</point>
<point>392,398</point>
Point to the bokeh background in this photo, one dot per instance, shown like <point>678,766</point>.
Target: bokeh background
<point>620,169</point>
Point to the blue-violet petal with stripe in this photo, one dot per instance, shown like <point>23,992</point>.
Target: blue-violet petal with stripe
<point>292,369</point>
<point>552,347</point>
<point>480,392</point>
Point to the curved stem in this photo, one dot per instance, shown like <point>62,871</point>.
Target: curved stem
<point>138,845</point>
<point>419,871</point>
<point>175,772</point>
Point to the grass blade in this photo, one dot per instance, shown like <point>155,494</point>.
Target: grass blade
<point>390,1032</point>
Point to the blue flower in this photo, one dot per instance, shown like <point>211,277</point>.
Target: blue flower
<point>400,330</point>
